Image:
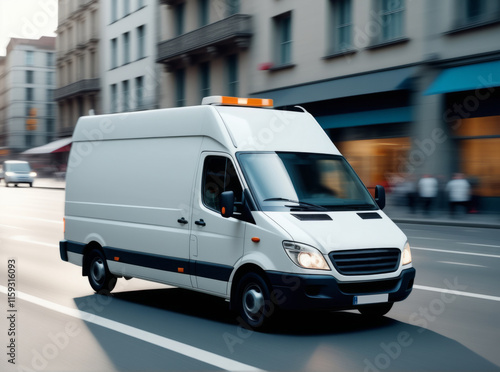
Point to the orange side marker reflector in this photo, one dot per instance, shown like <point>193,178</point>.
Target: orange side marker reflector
<point>116,258</point>
<point>180,269</point>
<point>223,210</point>
<point>255,239</point>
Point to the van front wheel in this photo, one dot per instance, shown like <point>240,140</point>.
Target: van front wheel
<point>100,279</point>
<point>254,301</point>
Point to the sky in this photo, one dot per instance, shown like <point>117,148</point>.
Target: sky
<point>28,19</point>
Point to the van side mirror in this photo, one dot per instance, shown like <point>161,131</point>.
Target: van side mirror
<point>227,204</point>
<point>380,196</point>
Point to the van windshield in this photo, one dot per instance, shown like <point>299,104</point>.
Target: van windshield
<point>304,182</point>
<point>20,167</point>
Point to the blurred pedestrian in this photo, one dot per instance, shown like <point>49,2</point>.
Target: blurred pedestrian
<point>411,193</point>
<point>427,190</point>
<point>458,193</point>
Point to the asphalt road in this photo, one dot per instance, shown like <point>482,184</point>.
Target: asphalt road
<point>449,323</point>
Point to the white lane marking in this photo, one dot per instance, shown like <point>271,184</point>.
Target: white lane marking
<point>457,293</point>
<point>426,238</point>
<point>460,263</point>
<point>481,245</point>
<point>39,219</point>
<point>12,227</point>
<point>455,252</point>
<point>24,239</point>
<point>164,342</point>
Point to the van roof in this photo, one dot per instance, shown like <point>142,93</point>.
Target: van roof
<point>236,128</point>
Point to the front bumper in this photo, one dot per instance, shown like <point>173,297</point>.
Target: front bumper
<point>297,292</point>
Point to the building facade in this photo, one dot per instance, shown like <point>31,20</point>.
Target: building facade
<point>204,49</point>
<point>129,72</point>
<point>27,81</point>
<point>78,62</point>
<point>403,88</point>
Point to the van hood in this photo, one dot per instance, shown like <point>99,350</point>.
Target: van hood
<point>335,231</point>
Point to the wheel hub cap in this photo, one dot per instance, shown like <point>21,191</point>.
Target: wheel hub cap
<point>253,302</point>
<point>98,272</point>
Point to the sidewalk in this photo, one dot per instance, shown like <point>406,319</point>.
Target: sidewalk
<point>49,183</point>
<point>399,214</point>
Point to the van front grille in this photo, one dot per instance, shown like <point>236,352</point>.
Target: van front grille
<point>366,261</point>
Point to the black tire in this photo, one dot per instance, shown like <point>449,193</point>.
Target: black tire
<point>100,279</point>
<point>6,184</point>
<point>31,184</point>
<point>376,310</point>
<point>254,302</point>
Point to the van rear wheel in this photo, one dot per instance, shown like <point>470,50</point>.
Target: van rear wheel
<point>100,279</point>
<point>254,301</point>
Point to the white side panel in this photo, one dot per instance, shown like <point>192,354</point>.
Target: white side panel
<point>131,194</point>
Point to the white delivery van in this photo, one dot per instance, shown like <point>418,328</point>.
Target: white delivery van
<point>251,204</point>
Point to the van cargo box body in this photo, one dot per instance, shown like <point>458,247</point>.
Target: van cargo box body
<point>249,204</point>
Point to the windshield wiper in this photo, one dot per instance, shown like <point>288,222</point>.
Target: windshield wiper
<point>300,203</point>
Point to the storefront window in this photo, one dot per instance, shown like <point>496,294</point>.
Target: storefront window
<point>479,144</point>
<point>377,161</point>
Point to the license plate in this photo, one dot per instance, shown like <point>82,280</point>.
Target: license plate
<point>370,299</point>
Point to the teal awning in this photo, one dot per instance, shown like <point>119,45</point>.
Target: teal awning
<point>375,82</point>
<point>470,77</point>
<point>354,119</point>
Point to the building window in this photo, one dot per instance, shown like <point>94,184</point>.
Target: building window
<point>114,10</point>
<point>30,77</point>
<point>232,71</point>
<point>50,59</point>
<point>139,92</point>
<point>49,108</point>
<point>70,72</point>
<point>204,11</point>
<point>392,15</point>
<point>114,98</point>
<point>283,27</point>
<point>30,94</point>
<point>233,7</point>
<point>125,96</point>
<point>93,67</point>
<point>81,67</point>
<point>30,58</point>
<point>141,42</point>
<point>179,19</point>
<point>50,78</point>
<point>180,85</point>
<point>114,53</point>
<point>341,25</point>
<point>126,7</point>
<point>204,80</point>
<point>472,12</point>
<point>50,95</point>
<point>126,48</point>
<point>49,129</point>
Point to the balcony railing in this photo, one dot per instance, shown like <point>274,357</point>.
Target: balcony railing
<point>78,87</point>
<point>232,32</point>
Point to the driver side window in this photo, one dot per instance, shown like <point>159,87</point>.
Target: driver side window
<point>219,175</point>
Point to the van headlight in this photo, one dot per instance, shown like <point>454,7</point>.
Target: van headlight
<point>32,174</point>
<point>9,174</point>
<point>406,254</point>
<point>305,256</point>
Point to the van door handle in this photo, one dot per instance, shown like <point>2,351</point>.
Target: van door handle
<point>200,222</point>
<point>182,220</point>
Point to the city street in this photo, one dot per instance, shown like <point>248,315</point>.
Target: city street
<point>56,322</point>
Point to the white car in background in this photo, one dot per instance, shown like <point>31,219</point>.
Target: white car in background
<point>16,172</point>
